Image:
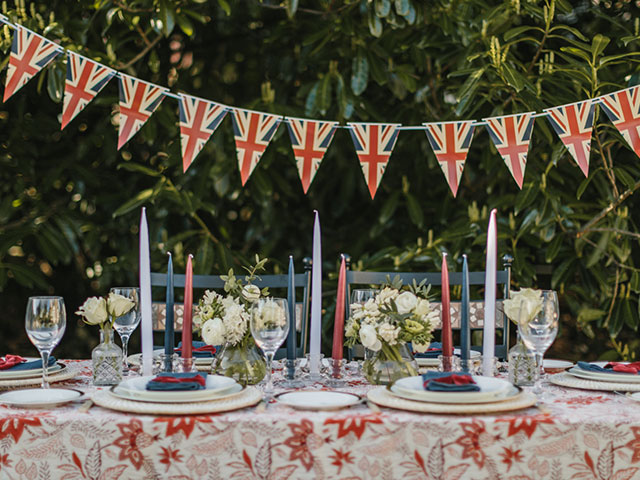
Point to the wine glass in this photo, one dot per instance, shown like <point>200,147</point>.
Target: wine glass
<point>269,327</point>
<point>539,332</point>
<point>45,322</point>
<point>126,324</point>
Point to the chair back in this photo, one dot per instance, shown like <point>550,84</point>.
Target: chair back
<point>476,307</point>
<point>302,282</point>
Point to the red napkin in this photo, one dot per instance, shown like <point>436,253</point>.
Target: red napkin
<point>624,367</point>
<point>11,361</point>
<point>166,379</point>
<point>453,379</point>
<point>206,348</point>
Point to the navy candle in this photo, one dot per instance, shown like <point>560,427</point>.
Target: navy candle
<point>291,298</point>
<point>465,333</point>
<point>169,328</point>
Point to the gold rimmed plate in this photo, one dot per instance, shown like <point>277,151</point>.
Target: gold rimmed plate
<point>318,399</point>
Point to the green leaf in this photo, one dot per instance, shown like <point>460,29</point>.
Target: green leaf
<point>415,211</point>
<point>624,177</point>
<point>553,249</point>
<point>141,198</point>
<point>583,186</point>
<point>389,208</point>
<point>167,17</point>
<point>292,7</point>
<point>598,44</point>
<point>513,78</point>
<point>136,167</point>
<point>225,6</point>
<point>514,32</point>
<point>55,82</point>
<point>375,25</point>
<point>402,7</point>
<point>185,24</point>
<point>359,74</point>
<point>310,106</point>
<point>382,8</point>
<point>324,94</point>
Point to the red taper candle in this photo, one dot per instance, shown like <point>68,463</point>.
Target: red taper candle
<point>447,343</point>
<point>188,309</point>
<point>338,326</point>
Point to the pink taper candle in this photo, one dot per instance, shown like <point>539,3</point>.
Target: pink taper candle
<point>447,342</point>
<point>188,309</point>
<point>338,325</point>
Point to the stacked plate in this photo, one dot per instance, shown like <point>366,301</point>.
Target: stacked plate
<point>216,388</point>
<point>18,378</point>
<point>577,377</point>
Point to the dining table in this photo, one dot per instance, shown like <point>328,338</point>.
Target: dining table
<point>574,433</point>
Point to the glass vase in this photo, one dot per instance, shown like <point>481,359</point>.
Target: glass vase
<point>522,365</point>
<point>390,363</point>
<point>107,360</point>
<point>243,363</point>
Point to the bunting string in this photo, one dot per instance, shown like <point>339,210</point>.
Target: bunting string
<point>310,139</point>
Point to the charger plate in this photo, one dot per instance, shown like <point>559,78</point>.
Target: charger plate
<point>380,396</point>
<point>33,372</point>
<point>245,398</point>
<point>565,379</point>
<point>136,389</point>
<point>65,373</point>
<point>412,388</point>
<point>604,376</point>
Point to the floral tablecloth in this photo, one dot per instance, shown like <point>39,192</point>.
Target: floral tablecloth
<point>576,435</point>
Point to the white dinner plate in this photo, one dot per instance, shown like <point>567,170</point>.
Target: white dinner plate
<point>33,372</point>
<point>433,362</point>
<point>491,389</point>
<point>39,398</point>
<point>604,377</point>
<point>459,399</point>
<point>318,400</point>
<point>136,358</point>
<point>554,366</point>
<point>136,389</point>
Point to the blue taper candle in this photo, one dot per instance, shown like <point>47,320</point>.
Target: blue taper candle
<point>168,327</point>
<point>291,298</point>
<point>465,333</point>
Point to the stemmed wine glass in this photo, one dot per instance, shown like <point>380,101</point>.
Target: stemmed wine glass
<point>45,322</point>
<point>126,324</point>
<point>539,332</point>
<point>269,327</point>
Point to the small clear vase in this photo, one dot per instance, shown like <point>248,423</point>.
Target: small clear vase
<point>390,363</point>
<point>107,360</point>
<point>243,363</point>
<point>522,365</point>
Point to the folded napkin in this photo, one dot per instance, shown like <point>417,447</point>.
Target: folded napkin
<point>168,381</point>
<point>612,367</point>
<point>10,361</point>
<point>199,349</point>
<point>434,351</point>
<point>449,382</point>
<point>16,363</point>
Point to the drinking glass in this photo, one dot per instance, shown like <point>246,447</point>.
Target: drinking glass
<point>269,327</point>
<point>45,322</point>
<point>539,332</point>
<point>127,323</point>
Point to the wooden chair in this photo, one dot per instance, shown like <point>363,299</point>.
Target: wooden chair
<point>214,282</point>
<point>366,279</point>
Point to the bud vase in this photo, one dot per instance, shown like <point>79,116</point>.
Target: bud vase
<point>242,362</point>
<point>107,360</point>
<point>522,365</point>
<point>390,363</point>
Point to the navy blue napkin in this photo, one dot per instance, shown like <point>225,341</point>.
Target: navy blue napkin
<point>609,368</point>
<point>33,364</point>
<point>183,385</point>
<point>449,382</point>
<point>435,350</point>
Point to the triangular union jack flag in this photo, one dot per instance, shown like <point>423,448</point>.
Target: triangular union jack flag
<point>85,79</point>
<point>138,101</point>
<point>623,109</point>
<point>573,123</point>
<point>30,53</point>
<point>253,131</point>
<point>511,135</point>
<point>374,144</point>
<point>450,142</point>
<point>310,140</point>
<point>198,120</point>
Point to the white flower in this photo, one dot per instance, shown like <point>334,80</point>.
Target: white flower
<point>118,305</point>
<point>406,302</point>
<point>422,308</point>
<point>386,294</point>
<point>235,322</point>
<point>388,333</point>
<point>213,332</point>
<point>251,293</point>
<point>206,312</point>
<point>369,338</point>
<point>370,307</point>
<point>420,347</point>
<point>94,310</point>
<point>273,314</point>
<point>210,297</point>
<point>529,299</point>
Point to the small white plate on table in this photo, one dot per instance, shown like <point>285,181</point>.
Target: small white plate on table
<point>318,400</point>
<point>136,359</point>
<point>603,376</point>
<point>433,362</point>
<point>491,390</point>
<point>40,397</point>
<point>33,372</point>
<point>556,366</point>
<point>136,389</point>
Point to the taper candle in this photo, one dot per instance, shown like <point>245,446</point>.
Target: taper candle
<point>489,331</point>
<point>291,298</point>
<point>187,324</point>
<point>169,329</point>
<point>146,327</point>
<point>465,333</point>
<point>338,325</point>
<point>316,300</point>
<point>447,341</point>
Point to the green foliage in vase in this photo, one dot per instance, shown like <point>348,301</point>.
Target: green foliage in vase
<point>69,202</point>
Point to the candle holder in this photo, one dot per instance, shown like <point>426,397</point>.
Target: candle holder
<point>291,374</point>
<point>336,373</point>
<point>315,377</point>
<point>494,366</point>
<point>185,365</point>
<point>449,363</point>
<point>164,363</point>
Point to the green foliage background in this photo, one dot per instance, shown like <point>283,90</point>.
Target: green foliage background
<point>69,206</point>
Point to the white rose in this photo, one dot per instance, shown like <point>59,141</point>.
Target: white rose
<point>422,308</point>
<point>529,299</point>
<point>369,338</point>
<point>388,333</point>
<point>273,314</point>
<point>370,307</point>
<point>210,297</point>
<point>385,295</point>
<point>94,311</point>
<point>251,293</point>
<point>406,302</point>
<point>213,332</point>
<point>118,305</point>
<point>420,347</point>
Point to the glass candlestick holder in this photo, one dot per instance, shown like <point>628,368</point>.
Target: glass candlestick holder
<point>186,365</point>
<point>291,374</point>
<point>448,363</point>
<point>336,373</point>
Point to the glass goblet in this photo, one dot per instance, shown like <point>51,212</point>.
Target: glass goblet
<point>126,324</point>
<point>45,322</point>
<point>539,332</point>
<point>269,327</point>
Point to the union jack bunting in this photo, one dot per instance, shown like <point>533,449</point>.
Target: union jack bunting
<point>30,53</point>
<point>623,109</point>
<point>85,79</point>
<point>511,135</point>
<point>450,142</point>
<point>138,101</point>
<point>253,131</point>
<point>573,124</point>
<point>374,144</point>
<point>310,140</point>
<point>198,120</point>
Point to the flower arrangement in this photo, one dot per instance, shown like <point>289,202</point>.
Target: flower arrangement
<point>103,311</point>
<point>527,299</point>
